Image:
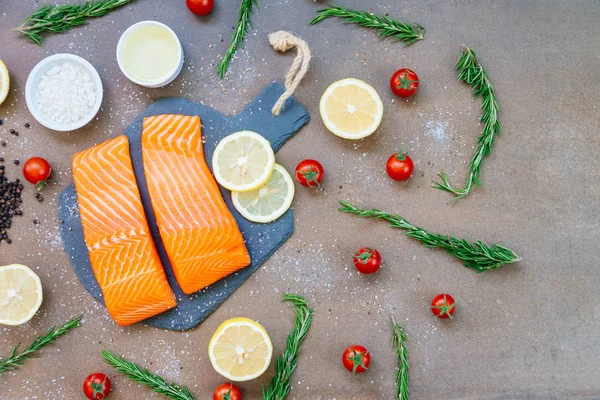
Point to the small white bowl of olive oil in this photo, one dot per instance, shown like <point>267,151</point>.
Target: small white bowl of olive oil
<point>149,53</point>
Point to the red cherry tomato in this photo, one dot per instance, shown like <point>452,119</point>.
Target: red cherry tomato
<point>400,166</point>
<point>96,386</point>
<point>310,173</point>
<point>200,7</point>
<point>356,359</point>
<point>227,391</point>
<point>37,170</point>
<point>367,260</point>
<point>404,82</point>
<point>443,306</point>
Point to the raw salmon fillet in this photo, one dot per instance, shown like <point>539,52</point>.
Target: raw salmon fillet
<point>122,252</point>
<point>200,235</point>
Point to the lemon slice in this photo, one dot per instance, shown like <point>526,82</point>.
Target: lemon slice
<point>4,82</point>
<point>270,201</point>
<point>240,349</point>
<point>243,161</point>
<point>351,109</point>
<point>20,294</point>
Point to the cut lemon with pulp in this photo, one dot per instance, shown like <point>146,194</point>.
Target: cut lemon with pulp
<point>243,161</point>
<point>20,294</point>
<point>270,201</point>
<point>240,349</point>
<point>351,109</point>
<point>4,82</point>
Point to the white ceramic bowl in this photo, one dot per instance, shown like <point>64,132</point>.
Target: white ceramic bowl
<point>36,75</point>
<point>170,77</point>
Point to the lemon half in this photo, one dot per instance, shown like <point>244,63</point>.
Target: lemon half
<point>269,202</point>
<point>243,161</point>
<point>240,349</point>
<point>4,82</point>
<point>20,294</point>
<point>351,109</point>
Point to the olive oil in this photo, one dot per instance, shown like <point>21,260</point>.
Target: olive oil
<point>150,53</point>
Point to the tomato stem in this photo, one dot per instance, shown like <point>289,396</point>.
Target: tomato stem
<point>227,396</point>
<point>357,361</point>
<point>445,308</point>
<point>405,82</point>
<point>401,156</point>
<point>363,257</point>
<point>311,176</point>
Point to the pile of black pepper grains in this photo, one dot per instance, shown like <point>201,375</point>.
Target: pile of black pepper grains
<point>10,196</point>
<point>10,202</point>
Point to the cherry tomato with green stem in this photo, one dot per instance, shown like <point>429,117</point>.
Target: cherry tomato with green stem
<point>367,260</point>
<point>96,386</point>
<point>37,171</point>
<point>227,391</point>
<point>310,173</point>
<point>400,166</point>
<point>200,7</point>
<point>443,306</point>
<point>404,82</point>
<point>356,359</point>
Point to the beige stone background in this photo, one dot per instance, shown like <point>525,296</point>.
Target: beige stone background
<point>528,331</point>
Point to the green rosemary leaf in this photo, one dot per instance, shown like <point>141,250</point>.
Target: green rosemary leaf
<point>16,358</point>
<point>287,362</point>
<point>478,255</point>
<point>471,72</point>
<point>399,340</point>
<point>61,18</point>
<point>383,25</point>
<point>243,23</point>
<point>145,377</point>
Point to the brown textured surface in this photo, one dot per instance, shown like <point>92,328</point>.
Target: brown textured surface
<point>526,332</point>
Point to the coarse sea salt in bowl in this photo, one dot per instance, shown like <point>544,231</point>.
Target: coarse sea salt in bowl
<point>63,92</point>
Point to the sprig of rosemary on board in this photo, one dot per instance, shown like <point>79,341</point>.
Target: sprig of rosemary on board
<point>61,18</point>
<point>145,377</point>
<point>287,362</point>
<point>383,25</point>
<point>478,255</point>
<point>16,358</point>
<point>470,71</point>
<point>243,22</point>
<point>399,340</point>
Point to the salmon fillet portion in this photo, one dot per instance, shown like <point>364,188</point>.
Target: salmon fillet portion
<point>201,237</point>
<point>122,252</point>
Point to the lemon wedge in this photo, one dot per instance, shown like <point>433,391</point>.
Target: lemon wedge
<point>270,201</point>
<point>351,109</point>
<point>243,161</point>
<point>240,349</point>
<point>20,294</point>
<point>4,82</point>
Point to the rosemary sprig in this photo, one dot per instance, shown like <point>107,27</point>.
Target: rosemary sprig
<point>61,18</point>
<point>16,358</point>
<point>383,25</point>
<point>399,339</point>
<point>470,71</point>
<point>243,22</point>
<point>145,377</point>
<point>478,255</point>
<point>287,362</point>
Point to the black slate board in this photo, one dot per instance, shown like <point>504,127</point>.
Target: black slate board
<point>262,240</point>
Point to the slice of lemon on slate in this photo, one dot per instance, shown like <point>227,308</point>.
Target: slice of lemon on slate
<point>240,349</point>
<point>20,294</point>
<point>4,82</point>
<point>243,161</point>
<point>269,202</point>
<point>351,109</point>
